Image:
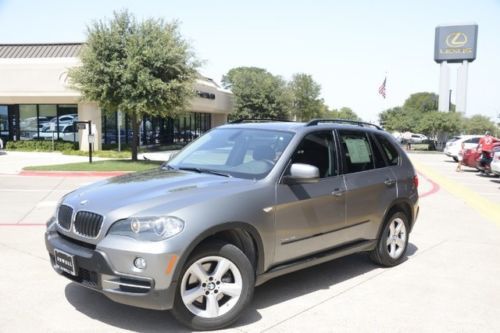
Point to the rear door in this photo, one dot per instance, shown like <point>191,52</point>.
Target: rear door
<point>371,186</point>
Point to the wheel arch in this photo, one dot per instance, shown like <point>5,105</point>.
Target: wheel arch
<point>399,205</point>
<point>241,234</point>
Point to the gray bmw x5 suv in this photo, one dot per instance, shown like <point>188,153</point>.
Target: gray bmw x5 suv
<point>242,204</point>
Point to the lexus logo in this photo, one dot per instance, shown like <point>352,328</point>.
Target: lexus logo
<point>456,39</point>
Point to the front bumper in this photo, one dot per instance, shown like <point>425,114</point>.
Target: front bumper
<point>448,152</point>
<point>94,270</point>
<point>495,167</point>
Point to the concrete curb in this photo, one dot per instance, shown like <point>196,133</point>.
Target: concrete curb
<point>73,173</point>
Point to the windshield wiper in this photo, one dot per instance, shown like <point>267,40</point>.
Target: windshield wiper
<point>168,167</point>
<point>202,170</point>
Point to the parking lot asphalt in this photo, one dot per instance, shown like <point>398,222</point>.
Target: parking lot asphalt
<point>450,282</point>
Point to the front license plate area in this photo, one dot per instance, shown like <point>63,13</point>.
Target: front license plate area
<point>65,261</point>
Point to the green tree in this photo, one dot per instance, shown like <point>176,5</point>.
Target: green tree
<point>342,113</point>
<point>399,119</point>
<point>347,113</point>
<point>479,124</point>
<point>434,122</point>
<point>140,68</point>
<point>306,103</point>
<point>257,93</point>
<point>422,102</point>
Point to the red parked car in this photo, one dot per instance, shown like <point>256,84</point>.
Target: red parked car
<point>472,156</point>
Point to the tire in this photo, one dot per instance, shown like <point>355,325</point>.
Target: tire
<point>222,296</point>
<point>455,158</point>
<point>392,242</point>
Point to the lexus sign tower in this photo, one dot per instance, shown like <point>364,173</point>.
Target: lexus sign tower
<point>454,44</point>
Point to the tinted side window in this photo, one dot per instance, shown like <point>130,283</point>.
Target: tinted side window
<point>390,151</point>
<point>356,151</point>
<point>377,154</point>
<point>317,149</point>
<point>473,140</point>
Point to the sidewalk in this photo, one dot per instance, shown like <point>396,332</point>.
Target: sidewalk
<point>13,162</point>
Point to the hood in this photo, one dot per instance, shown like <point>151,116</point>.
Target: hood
<point>150,192</point>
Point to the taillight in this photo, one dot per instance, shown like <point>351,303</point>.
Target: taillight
<point>415,181</point>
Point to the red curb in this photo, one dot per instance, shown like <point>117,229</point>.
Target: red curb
<point>73,173</point>
<point>434,189</point>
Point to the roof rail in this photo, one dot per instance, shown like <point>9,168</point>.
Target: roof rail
<point>315,122</point>
<point>255,120</point>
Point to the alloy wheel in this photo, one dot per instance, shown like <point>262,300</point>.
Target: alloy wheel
<point>396,238</point>
<point>211,287</point>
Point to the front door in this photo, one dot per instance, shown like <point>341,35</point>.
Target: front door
<point>307,215</point>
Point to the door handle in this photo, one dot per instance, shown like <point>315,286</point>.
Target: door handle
<point>338,193</point>
<point>389,182</point>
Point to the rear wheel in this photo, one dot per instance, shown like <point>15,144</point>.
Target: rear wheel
<point>393,241</point>
<point>216,284</point>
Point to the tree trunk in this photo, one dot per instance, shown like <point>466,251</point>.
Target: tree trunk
<point>135,137</point>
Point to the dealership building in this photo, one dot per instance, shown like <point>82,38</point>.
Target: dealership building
<point>36,102</point>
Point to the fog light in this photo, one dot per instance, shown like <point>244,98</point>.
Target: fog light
<point>140,263</point>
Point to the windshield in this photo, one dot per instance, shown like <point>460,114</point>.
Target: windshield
<point>236,152</point>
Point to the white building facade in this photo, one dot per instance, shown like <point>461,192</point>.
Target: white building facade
<point>37,103</point>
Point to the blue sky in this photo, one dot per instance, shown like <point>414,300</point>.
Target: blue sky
<point>347,46</point>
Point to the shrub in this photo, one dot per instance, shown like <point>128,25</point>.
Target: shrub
<point>39,145</point>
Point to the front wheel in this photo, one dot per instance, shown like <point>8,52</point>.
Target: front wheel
<point>393,241</point>
<point>216,284</point>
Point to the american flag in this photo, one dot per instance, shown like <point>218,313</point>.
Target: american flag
<point>381,90</point>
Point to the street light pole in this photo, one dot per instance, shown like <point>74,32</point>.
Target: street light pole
<point>89,139</point>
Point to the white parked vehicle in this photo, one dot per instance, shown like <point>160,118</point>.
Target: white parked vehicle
<point>417,138</point>
<point>495,163</point>
<point>63,120</point>
<point>66,132</point>
<point>409,137</point>
<point>453,145</point>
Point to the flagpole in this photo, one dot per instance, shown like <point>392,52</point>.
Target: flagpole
<point>385,99</point>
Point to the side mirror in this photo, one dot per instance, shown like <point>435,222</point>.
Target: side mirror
<point>302,173</point>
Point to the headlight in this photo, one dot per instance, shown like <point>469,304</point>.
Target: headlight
<point>53,218</point>
<point>51,223</point>
<point>153,228</point>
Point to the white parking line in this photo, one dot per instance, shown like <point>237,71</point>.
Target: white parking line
<point>489,193</point>
<point>31,190</point>
<point>46,204</point>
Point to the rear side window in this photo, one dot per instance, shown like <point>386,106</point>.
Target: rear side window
<point>356,151</point>
<point>473,140</point>
<point>391,153</point>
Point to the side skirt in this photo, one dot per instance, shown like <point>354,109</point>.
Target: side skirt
<point>316,259</point>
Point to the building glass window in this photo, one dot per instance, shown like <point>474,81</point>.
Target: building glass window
<point>47,121</point>
<point>4,121</point>
<point>28,121</point>
<point>157,130</point>
<point>109,128</point>
<point>47,115</point>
